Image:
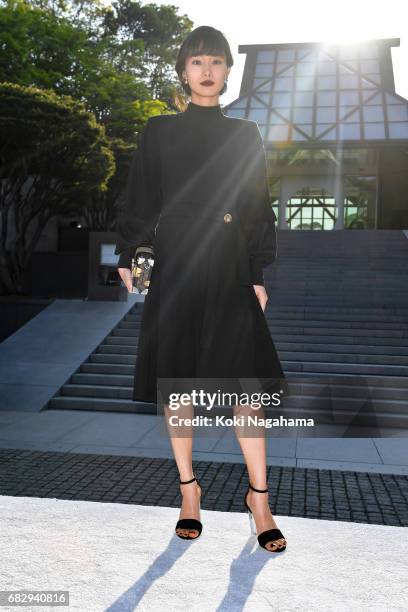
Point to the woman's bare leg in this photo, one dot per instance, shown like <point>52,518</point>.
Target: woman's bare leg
<point>182,444</point>
<point>254,452</point>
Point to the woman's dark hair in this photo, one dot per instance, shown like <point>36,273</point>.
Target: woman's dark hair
<point>204,40</point>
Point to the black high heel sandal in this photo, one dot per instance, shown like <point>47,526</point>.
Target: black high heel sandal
<point>268,536</point>
<point>189,523</point>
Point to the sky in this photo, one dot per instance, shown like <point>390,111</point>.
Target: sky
<point>271,22</point>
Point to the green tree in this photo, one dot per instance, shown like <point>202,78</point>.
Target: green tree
<point>118,61</point>
<point>46,51</point>
<point>54,157</point>
<point>95,53</point>
<point>161,30</point>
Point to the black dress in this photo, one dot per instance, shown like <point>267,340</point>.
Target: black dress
<point>197,192</point>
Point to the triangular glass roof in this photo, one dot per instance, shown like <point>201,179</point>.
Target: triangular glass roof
<point>313,95</point>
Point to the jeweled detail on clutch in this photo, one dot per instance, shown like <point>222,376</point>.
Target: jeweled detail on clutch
<point>142,265</point>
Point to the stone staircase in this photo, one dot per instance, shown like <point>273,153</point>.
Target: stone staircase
<point>338,314</point>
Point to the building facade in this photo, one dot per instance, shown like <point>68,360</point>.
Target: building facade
<point>335,133</point>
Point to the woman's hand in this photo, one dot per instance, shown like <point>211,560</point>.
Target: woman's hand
<point>126,275</point>
<point>261,294</point>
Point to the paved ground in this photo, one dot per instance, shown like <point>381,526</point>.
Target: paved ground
<point>120,557</point>
<point>138,435</point>
<point>298,492</point>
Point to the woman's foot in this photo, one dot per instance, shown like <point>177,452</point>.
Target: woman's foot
<point>259,504</point>
<point>190,507</point>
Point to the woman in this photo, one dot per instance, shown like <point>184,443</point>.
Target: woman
<point>197,192</point>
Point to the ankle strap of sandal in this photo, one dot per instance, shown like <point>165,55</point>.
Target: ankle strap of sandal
<point>258,490</point>
<point>188,481</point>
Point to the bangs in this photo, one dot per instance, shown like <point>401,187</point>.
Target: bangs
<point>205,44</point>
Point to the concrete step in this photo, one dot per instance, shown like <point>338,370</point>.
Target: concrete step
<point>314,312</point>
<point>352,349</point>
<point>333,334</point>
<point>276,319</point>
<point>319,367</point>
<point>297,343</point>
<point>294,288</point>
<point>305,258</point>
<point>348,311</point>
<point>350,379</point>
<point>279,298</point>
<point>341,291</point>
<point>328,313</point>
<point>305,279</point>
<point>345,358</point>
<point>316,389</point>
<point>296,321</point>
<point>304,379</point>
<point>124,364</point>
<point>328,335</point>
<point>82,378</point>
<point>124,348</point>
<point>301,327</point>
<point>381,278</point>
<point>106,391</point>
<point>101,405</point>
<point>322,260</point>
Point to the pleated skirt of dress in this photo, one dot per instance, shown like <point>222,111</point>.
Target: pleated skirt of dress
<point>201,328</point>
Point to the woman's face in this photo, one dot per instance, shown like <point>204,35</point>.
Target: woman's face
<point>200,69</point>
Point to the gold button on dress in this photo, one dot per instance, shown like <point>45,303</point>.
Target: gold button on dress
<point>227,218</point>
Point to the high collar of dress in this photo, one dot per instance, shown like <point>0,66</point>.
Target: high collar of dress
<point>200,112</point>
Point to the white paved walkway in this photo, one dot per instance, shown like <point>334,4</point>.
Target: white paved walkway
<point>119,557</point>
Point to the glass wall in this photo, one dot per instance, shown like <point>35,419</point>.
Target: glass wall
<point>359,202</point>
<point>329,95</point>
<point>311,208</point>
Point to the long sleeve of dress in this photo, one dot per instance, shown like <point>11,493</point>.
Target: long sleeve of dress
<point>258,216</point>
<point>137,219</point>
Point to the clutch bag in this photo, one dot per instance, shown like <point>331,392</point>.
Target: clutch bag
<point>142,265</point>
